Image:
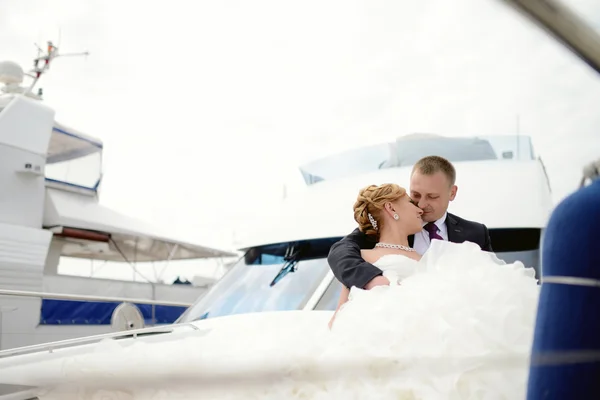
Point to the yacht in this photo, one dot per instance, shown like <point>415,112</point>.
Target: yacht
<point>283,275</point>
<point>50,176</point>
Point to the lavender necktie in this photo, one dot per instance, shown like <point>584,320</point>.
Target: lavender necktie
<point>433,231</point>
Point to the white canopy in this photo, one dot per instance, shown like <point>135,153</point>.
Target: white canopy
<point>134,239</point>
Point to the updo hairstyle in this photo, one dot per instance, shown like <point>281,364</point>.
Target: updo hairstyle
<point>371,201</point>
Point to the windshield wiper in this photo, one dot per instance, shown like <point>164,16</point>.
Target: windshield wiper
<point>291,258</point>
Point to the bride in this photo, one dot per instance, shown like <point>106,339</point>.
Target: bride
<point>388,213</point>
<point>454,324</point>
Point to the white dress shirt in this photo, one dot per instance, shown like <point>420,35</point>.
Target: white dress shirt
<point>422,240</point>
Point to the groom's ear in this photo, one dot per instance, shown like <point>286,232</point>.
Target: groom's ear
<point>453,191</point>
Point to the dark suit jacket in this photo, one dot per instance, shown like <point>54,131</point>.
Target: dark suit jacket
<point>350,269</point>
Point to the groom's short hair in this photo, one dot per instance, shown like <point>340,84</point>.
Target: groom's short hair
<point>431,164</point>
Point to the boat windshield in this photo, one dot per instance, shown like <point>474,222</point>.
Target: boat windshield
<point>278,277</point>
<point>349,163</point>
<point>405,151</point>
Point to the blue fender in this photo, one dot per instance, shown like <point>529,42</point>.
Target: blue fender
<point>565,362</point>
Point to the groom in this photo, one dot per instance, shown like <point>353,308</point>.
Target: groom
<point>432,186</point>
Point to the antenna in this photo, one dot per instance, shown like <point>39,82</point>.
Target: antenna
<point>41,64</point>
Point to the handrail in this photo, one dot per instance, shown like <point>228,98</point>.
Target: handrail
<point>82,297</point>
<point>50,347</point>
<point>564,26</point>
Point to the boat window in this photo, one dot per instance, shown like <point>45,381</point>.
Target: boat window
<point>73,161</point>
<point>511,147</point>
<point>518,244</point>
<point>408,149</point>
<point>348,163</point>
<point>247,286</point>
<point>515,239</point>
<point>408,152</point>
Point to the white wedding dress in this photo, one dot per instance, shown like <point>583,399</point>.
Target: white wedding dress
<point>456,325</point>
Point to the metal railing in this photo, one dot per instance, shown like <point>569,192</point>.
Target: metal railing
<point>61,344</point>
<point>81,297</point>
<point>78,297</point>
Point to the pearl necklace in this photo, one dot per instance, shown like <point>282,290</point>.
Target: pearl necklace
<point>394,246</point>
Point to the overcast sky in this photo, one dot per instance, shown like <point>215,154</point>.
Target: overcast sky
<point>206,107</point>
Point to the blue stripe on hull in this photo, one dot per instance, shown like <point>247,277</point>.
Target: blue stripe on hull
<point>66,312</point>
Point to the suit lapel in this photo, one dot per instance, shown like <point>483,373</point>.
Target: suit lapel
<point>455,231</point>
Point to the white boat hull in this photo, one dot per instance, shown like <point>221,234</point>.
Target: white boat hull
<point>51,371</point>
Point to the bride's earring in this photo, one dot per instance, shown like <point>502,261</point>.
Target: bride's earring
<point>396,217</point>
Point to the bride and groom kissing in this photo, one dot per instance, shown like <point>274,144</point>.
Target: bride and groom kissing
<point>427,284</point>
<point>393,222</point>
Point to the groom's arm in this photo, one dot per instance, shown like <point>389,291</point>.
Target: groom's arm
<point>347,264</point>
<point>477,233</point>
<point>487,243</point>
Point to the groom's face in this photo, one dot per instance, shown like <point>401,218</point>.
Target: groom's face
<point>433,193</point>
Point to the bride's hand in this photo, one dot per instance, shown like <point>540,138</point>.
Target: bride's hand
<point>377,281</point>
<point>330,324</point>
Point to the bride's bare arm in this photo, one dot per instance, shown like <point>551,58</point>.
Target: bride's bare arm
<point>343,298</point>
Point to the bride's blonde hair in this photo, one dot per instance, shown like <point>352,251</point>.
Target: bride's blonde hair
<point>370,202</point>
